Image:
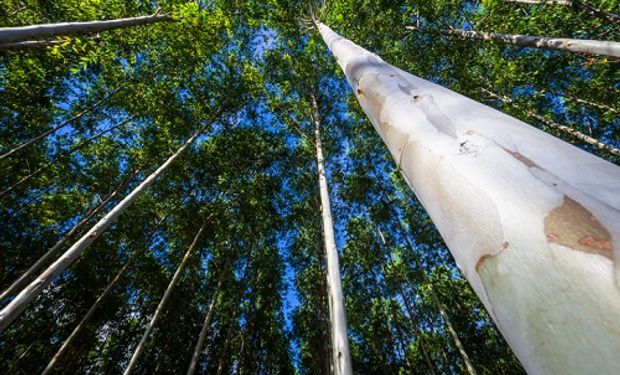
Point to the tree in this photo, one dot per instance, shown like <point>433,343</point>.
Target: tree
<point>430,151</point>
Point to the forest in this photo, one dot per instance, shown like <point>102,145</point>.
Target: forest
<point>309,187</point>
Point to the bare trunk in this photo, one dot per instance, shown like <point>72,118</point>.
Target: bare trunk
<point>13,309</point>
<point>436,301</point>
<point>65,346</point>
<point>60,157</point>
<point>592,104</point>
<point>177,275</point>
<point>412,316</point>
<point>340,343</point>
<point>34,32</point>
<point>605,16</point>
<point>222,361</point>
<point>532,221</point>
<point>60,126</point>
<point>205,325</point>
<point>23,279</point>
<point>566,129</point>
<point>588,47</point>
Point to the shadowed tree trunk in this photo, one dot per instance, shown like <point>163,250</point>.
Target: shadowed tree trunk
<point>531,220</point>
<point>27,33</point>
<point>26,296</point>
<point>23,279</point>
<point>162,304</point>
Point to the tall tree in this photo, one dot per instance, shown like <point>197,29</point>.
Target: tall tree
<point>572,223</point>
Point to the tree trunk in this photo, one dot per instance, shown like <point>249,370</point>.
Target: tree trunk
<point>23,279</point>
<point>60,157</point>
<point>60,126</point>
<point>340,343</point>
<point>177,275</point>
<point>529,219</point>
<point>605,16</point>
<point>13,309</point>
<point>205,325</point>
<point>35,32</point>
<point>436,301</point>
<point>412,316</point>
<point>566,129</point>
<point>86,318</point>
<point>600,106</point>
<point>588,47</point>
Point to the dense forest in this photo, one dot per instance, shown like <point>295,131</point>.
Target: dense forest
<point>309,187</point>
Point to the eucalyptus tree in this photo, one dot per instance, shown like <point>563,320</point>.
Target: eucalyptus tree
<point>378,85</point>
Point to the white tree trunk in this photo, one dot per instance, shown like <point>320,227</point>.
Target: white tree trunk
<point>340,342</point>
<point>27,33</point>
<point>26,296</point>
<point>588,47</point>
<point>86,317</point>
<point>177,275</point>
<point>23,279</point>
<point>532,221</point>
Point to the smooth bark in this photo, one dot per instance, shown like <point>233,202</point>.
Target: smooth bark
<point>531,221</point>
<point>585,46</point>
<point>23,279</point>
<point>340,342</point>
<point>605,16</point>
<point>566,129</point>
<point>35,32</point>
<point>205,326</point>
<point>65,346</point>
<point>13,309</point>
<point>162,304</point>
<point>58,127</point>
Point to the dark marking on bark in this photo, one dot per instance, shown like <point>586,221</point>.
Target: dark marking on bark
<point>572,225</point>
<point>483,258</point>
<point>434,115</point>
<point>527,162</point>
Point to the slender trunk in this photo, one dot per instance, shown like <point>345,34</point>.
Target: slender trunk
<point>205,325</point>
<point>222,361</point>
<point>25,33</point>
<point>412,316</point>
<point>30,44</point>
<point>340,343</point>
<point>62,156</point>
<point>59,126</point>
<point>529,219</point>
<point>592,104</point>
<point>605,16</point>
<point>65,346</point>
<point>566,129</point>
<point>13,309</point>
<point>436,301</point>
<point>585,46</point>
<point>177,275</point>
<point>18,10</point>
<point>23,279</point>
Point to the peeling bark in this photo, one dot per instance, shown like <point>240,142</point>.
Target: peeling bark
<point>584,46</point>
<point>493,185</point>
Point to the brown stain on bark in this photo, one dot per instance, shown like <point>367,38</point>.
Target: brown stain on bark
<point>483,258</point>
<point>527,162</point>
<point>572,225</point>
